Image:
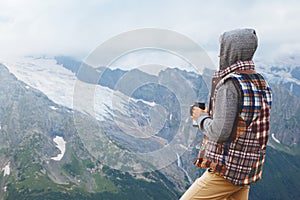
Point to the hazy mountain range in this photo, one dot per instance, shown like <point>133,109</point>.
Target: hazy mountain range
<point>136,113</point>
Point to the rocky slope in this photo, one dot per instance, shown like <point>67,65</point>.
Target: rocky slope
<point>29,122</point>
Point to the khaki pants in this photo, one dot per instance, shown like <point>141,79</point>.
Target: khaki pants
<point>212,186</point>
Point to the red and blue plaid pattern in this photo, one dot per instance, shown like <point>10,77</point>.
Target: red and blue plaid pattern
<point>253,88</point>
<point>241,159</point>
<point>240,65</point>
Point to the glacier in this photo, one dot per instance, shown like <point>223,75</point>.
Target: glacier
<point>58,84</point>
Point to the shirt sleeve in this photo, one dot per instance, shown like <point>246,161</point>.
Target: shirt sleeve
<point>219,126</point>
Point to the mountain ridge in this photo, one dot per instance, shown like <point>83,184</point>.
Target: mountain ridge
<point>172,175</point>
<point>29,124</point>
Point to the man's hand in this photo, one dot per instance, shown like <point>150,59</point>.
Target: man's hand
<point>196,112</point>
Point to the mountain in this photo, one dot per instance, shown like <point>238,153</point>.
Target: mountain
<point>284,138</point>
<point>284,118</point>
<point>285,72</point>
<point>137,114</point>
<point>284,79</point>
<point>30,122</point>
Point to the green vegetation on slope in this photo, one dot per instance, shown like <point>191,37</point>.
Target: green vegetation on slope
<point>30,180</point>
<point>280,177</point>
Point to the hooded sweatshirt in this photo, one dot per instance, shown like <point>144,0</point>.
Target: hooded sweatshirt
<point>236,45</point>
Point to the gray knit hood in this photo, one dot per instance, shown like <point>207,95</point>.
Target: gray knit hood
<point>237,45</point>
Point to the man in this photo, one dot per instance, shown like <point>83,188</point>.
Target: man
<point>236,124</point>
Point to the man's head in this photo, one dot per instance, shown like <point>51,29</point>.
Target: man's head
<point>237,45</point>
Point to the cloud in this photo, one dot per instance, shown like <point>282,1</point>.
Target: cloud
<point>76,28</point>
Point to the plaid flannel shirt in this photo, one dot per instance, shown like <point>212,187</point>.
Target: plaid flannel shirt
<point>240,159</point>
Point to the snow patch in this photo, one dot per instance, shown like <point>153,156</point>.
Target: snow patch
<point>53,107</point>
<point>6,170</point>
<point>291,88</point>
<point>275,139</point>
<point>152,104</point>
<point>184,147</point>
<point>61,145</point>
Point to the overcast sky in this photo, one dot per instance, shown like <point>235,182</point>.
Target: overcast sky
<point>76,27</point>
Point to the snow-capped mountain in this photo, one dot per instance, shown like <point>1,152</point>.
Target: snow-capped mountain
<point>42,155</point>
<point>285,72</point>
<point>135,112</point>
<point>58,83</point>
<point>109,98</point>
<point>138,114</point>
